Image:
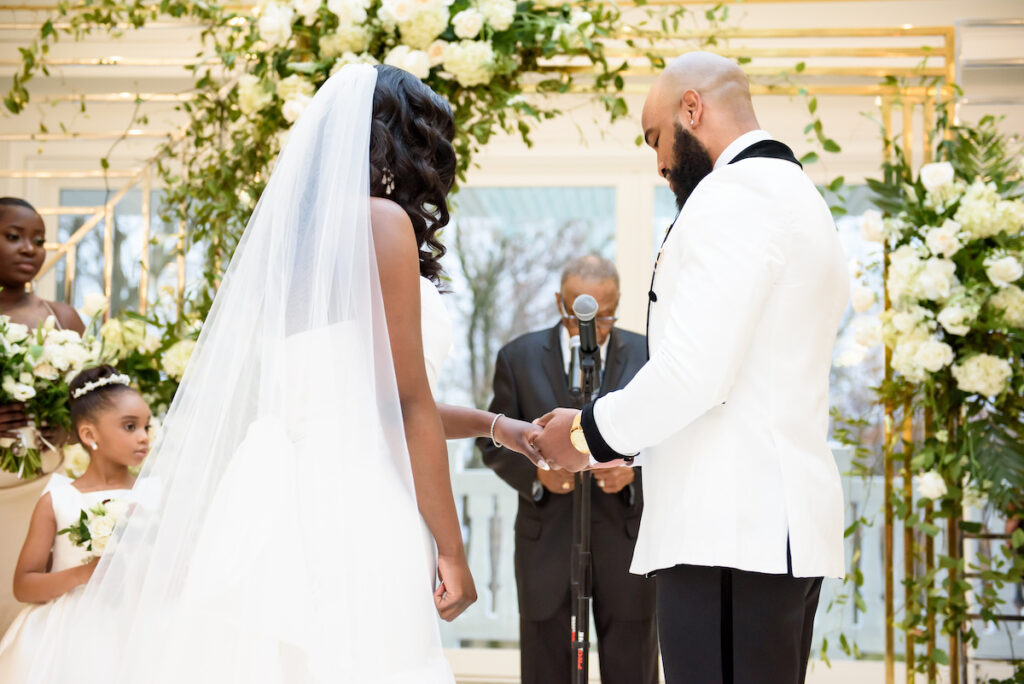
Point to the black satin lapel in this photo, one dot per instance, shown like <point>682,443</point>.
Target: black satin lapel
<point>772,149</point>
<point>554,368</point>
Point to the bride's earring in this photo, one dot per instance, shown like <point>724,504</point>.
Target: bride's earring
<point>691,121</point>
<point>388,179</point>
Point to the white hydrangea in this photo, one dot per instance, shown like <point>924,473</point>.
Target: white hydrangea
<point>1003,269</point>
<point>933,355</point>
<point>983,213</point>
<point>349,12</point>
<point>294,85</point>
<point>352,58</point>
<point>904,266</point>
<point>468,23</point>
<point>420,31</point>
<point>348,38</point>
<point>415,62</point>
<point>470,62</point>
<point>1010,301</point>
<point>983,374</point>
<point>872,226</point>
<point>293,107</point>
<point>944,241</point>
<point>253,94</point>
<point>937,279</point>
<point>275,23</point>
<point>499,13</point>
<point>176,359</point>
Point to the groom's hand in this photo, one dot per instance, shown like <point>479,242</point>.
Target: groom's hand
<point>553,443</point>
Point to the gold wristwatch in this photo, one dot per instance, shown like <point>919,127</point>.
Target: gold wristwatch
<point>576,436</point>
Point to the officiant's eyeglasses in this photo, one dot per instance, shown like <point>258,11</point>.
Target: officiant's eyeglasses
<point>606,322</point>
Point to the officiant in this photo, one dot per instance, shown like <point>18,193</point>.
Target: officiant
<point>530,379</point>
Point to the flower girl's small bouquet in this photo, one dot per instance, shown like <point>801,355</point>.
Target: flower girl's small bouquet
<point>95,526</point>
<point>35,368</point>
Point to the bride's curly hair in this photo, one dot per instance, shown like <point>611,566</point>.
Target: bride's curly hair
<point>411,146</point>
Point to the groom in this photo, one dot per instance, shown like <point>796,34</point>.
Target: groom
<point>744,510</point>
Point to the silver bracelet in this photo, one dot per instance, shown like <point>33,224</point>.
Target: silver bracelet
<point>493,423</point>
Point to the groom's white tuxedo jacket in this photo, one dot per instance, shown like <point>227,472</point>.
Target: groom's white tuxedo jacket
<point>731,410</point>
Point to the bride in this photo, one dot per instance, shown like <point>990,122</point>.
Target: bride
<point>297,515</point>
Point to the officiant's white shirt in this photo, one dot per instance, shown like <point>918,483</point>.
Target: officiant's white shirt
<point>731,411</point>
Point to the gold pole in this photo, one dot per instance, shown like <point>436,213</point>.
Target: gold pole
<point>908,132</point>
<point>928,124</point>
<point>910,599</point>
<point>929,566</point>
<point>69,275</point>
<point>108,256</point>
<point>890,618</point>
<point>147,189</point>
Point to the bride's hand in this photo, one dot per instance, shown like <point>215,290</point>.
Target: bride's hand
<point>518,435</point>
<point>456,592</point>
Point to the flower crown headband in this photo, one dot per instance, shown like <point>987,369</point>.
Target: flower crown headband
<point>120,379</point>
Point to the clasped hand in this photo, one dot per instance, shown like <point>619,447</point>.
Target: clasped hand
<point>546,442</point>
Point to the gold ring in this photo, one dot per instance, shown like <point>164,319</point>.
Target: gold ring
<point>565,486</point>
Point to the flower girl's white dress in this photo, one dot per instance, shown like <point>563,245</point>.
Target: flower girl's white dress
<point>30,635</point>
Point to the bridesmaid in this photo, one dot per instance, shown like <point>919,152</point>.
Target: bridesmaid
<point>22,235</point>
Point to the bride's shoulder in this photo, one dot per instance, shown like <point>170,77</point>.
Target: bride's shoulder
<point>393,234</point>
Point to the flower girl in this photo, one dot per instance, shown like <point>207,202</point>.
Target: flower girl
<point>74,519</point>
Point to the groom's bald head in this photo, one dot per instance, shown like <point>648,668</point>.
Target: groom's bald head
<point>706,95</point>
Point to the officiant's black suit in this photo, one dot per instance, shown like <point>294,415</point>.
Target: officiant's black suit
<point>529,381</point>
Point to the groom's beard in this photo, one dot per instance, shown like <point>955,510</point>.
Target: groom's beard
<point>691,162</point>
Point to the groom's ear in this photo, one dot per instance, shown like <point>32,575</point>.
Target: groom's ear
<point>691,109</point>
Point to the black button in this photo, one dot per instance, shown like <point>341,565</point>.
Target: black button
<point>652,296</point>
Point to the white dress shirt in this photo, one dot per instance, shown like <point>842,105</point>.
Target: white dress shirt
<point>563,335</point>
<point>731,411</point>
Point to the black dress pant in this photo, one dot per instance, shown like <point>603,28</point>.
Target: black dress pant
<point>727,626</point>
<point>627,649</point>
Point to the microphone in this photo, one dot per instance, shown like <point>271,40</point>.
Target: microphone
<point>575,369</point>
<point>585,309</point>
<point>589,355</point>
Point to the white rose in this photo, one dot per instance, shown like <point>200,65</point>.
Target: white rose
<point>275,23</point>
<point>936,175</point>
<point>100,526</point>
<point>468,24</point>
<point>93,304</point>
<point>398,10</point>
<point>583,22</point>
<point>872,228</point>
<point>415,62</point>
<point>46,371</point>
<point>16,332</point>
<point>99,545</point>
<point>76,460</point>
<point>979,212</point>
<point>116,509</point>
<point>307,9</point>
<point>944,240</point>
<point>933,355</point>
<point>1010,302</point>
<point>1003,270</point>
<point>436,52</point>
<point>955,319</point>
<point>293,107</point>
<point>294,85</point>
<point>930,485</point>
<point>937,279</point>
<point>176,359</point>
<point>983,374</point>
<point>862,297</point>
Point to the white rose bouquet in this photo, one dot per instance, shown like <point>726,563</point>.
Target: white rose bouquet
<point>95,526</point>
<point>35,368</point>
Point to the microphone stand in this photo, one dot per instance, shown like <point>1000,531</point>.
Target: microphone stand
<point>581,574</point>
